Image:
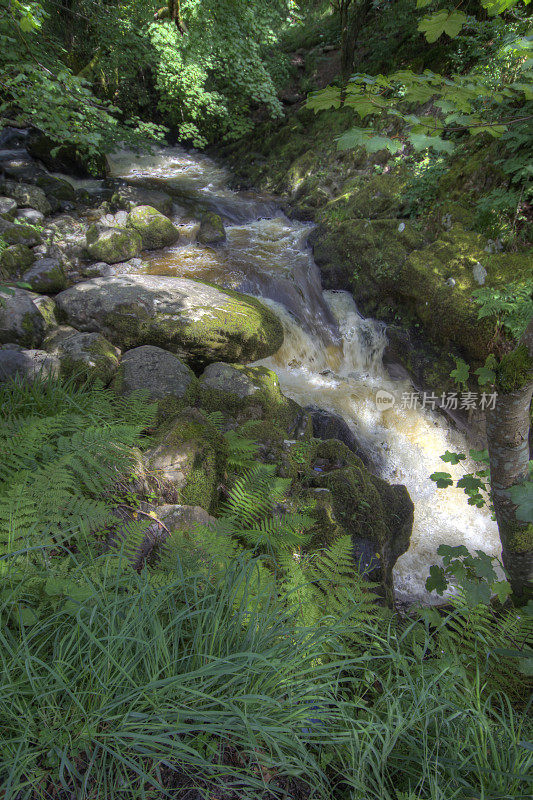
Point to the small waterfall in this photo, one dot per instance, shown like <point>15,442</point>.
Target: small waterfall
<point>331,357</point>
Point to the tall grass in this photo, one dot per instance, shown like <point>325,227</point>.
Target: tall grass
<point>147,691</point>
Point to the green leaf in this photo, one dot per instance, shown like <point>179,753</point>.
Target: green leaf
<point>440,22</point>
<point>479,455</point>
<point>495,7</point>
<point>357,137</point>
<point>437,580</point>
<point>453,458</point>
<point>363,105</point>
<point>461,373</point>
<point>522,497</point>
<point>330,97</point>
<point>502,590</point>
<point>485,375</point>
<point>471,485</point>
<point>442,479</point>
<point>422,141</point>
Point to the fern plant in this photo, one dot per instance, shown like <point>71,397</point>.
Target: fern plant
<point>256,520</point>
<point>62,447</point>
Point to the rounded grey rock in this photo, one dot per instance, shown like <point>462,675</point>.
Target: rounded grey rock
<point>27,364</point>
<point>155,371</point>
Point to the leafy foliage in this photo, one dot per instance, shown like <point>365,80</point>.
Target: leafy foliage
<point>459,102</point>
<point>62,448</point>
<point>512,306</point>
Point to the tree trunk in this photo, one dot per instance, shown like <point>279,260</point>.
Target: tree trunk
<point>508,440</point>
<point>351,24</point>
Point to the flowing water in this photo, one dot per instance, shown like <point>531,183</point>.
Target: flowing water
<point>331,357</point>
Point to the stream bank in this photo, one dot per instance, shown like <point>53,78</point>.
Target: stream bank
<point>240,284</point>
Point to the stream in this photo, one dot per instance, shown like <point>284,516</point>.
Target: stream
<point>332,357</point>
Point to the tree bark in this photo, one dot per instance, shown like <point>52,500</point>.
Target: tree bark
<point>508,440</point>
<point>353,17</point>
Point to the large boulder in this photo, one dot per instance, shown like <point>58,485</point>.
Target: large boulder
<point>8,208</point>
<point>128,197</point>
<point>29,216</point>
<point>26,195</point>
<point>85,355</point>
<point>57,188</point>
<point>26,364</point>
<point>189,455</point>
<point>377,515</point>
<point>247,394</point>
<point>158,373</point>
<point>154,229</point>
<point>46,276</point>
<point>25,318</point>
<point>211,229</point>
<point>15,259</point>
<point>113,244</point>
<point>183,518</point>
<point>198,322</point>
<point>22,168</point>
<point>327,425</point>
<point>21,233</point>
<point>63,157</point>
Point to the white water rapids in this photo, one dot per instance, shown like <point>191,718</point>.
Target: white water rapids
<point>331,357</point>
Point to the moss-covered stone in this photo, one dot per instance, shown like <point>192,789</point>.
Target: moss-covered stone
<point>364,255</point>
<point>247,393</point>
<point>57,188</point>
<point>366,197</point>
<point>113,245</point>
<point>47,275</point>
<point>212,229</point>
<point>15,259</point>
<point>378,516</point>
<point>154,228</point>
<point>190,454</point>
<point>26,195</point>
<point>19,233</point>
<point>83,355</point>
<point>25,318</point>
<point>8,208</point>
<point>161,375</point>
<point>199,322</point>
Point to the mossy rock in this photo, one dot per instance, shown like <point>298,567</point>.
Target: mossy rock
<point>438,281</point>
<point>57,188</point>
<point>128,197</point>
<point>364,255</point>
<point>83,355</point>
<point>247,393</point>
<point>377,515</point>
<point>26,195</point>
<point>19,233</point>
<point>154,228</point>
<point>15,259</point>
<point>199,322</point>
<point>47,275</point>
<point>161,375</point>
<point>472,171</point>
<point>113,245</point>
<point>8,208</point>
<point>190,455</point>
<point>27,365</point>
<point>366,197</point>
<point>212,229</point>
<point>25,318</point>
